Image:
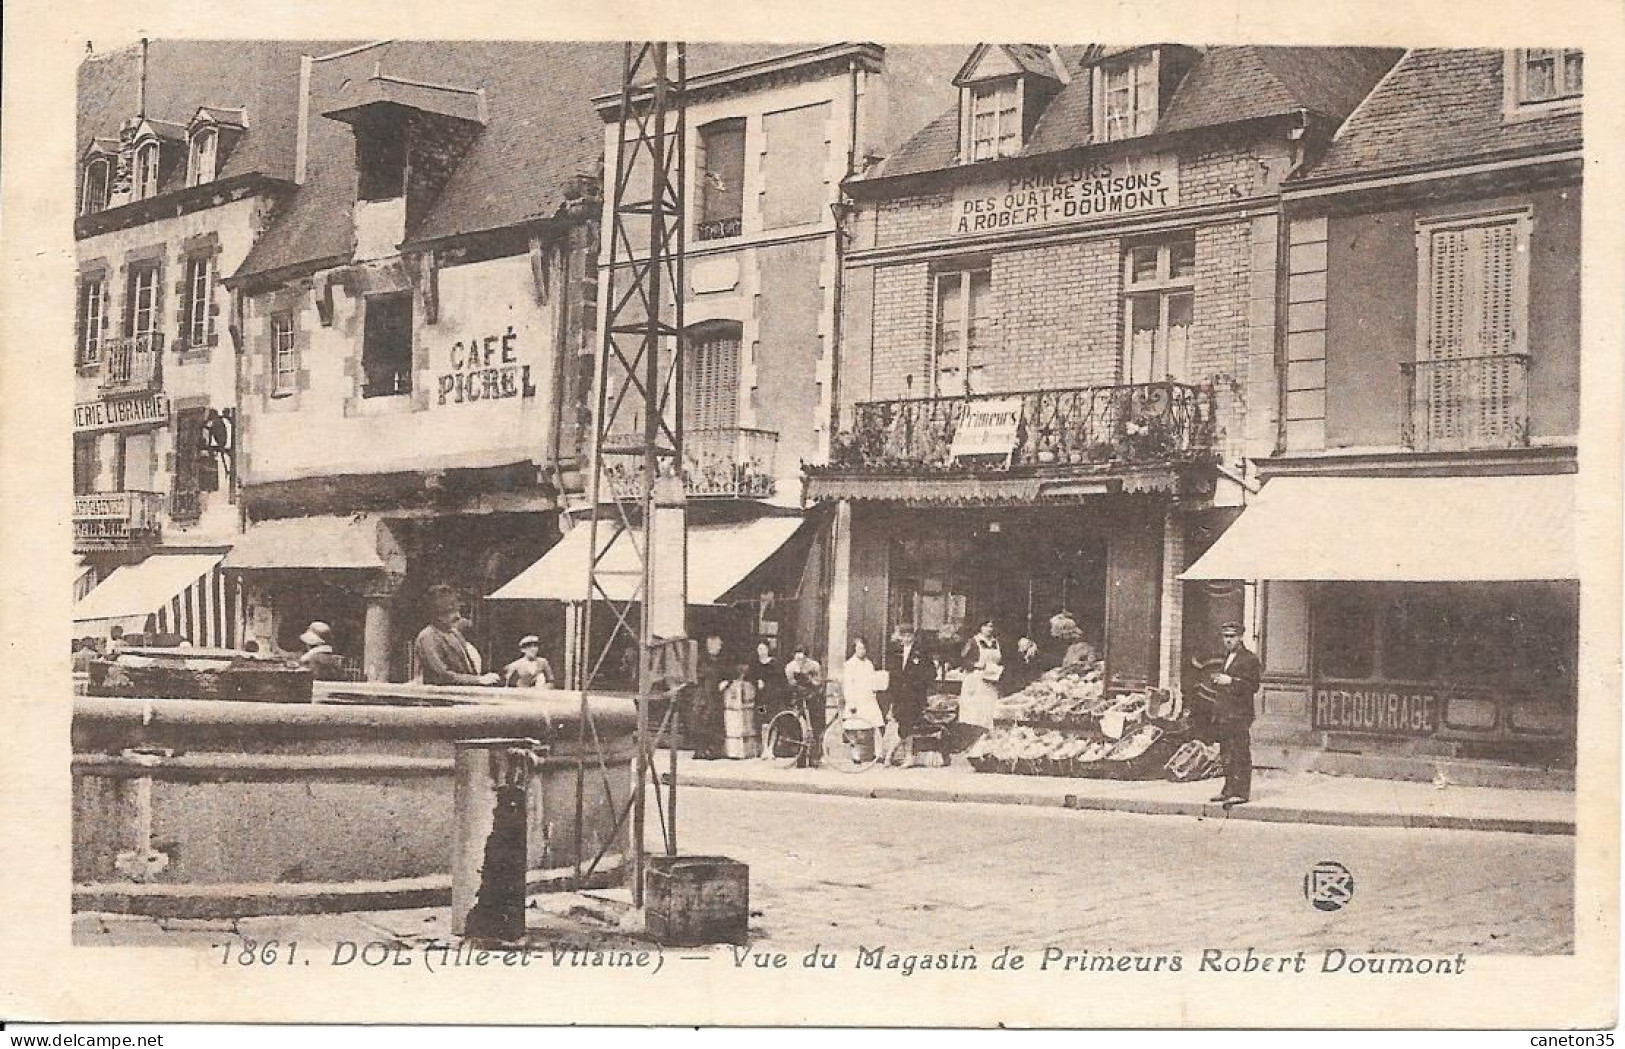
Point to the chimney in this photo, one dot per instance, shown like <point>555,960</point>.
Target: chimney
<point>141,96</point>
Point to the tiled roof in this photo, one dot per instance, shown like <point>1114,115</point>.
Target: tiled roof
<point>1438,105</point>
<point>1226,84</point>
<point>542,133</point>
<point>258,76</point>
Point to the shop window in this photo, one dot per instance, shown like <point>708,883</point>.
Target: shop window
<point>964,330</point>
<point>200,163</point>
<point>97,184</point>
<point>711,379</point>
<point>929,584</point>
<point>146,171</point>
<point>386,352</point>
<point>380,156</point>
<point>195,301</point>
<point>284,356</point>
<point>1345,633</point>
<point>1545,78</point>
<point>1159,280</point>
<point>86,464</point>
<point>91,321</point>
<point>141,301</point>
<point>1126,97</point>
<point>995,120</point>
<point>722,179</point>
<point>1468,383</point>
<point>196,470</point>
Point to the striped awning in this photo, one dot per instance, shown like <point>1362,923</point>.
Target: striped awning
<point>180,593</point>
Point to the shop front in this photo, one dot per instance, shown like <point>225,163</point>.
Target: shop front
<point>1414,618</point>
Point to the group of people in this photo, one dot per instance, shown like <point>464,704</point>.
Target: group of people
<point>444,653</point>
<point>774,686</point>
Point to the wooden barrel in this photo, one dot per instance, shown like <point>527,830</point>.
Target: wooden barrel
<point>741,739</point>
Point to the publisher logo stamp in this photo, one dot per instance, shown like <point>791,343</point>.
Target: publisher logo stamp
<point>1329,886</point>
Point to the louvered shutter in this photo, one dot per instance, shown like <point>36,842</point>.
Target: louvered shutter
<point>1448,324</point>
<point>1497,327</point>
<point>711,387</point>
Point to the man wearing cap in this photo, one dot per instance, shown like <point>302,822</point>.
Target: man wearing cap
<point>441,652</point>
<point>1235,681</point>
<point>323,663</point>
<point>530,670</point>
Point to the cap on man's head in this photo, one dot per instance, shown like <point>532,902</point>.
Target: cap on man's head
<point>529,639</point>
<point>318,633</point>
<point>1233,629</point>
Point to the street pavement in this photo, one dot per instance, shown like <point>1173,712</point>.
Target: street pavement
<point>926,875</point>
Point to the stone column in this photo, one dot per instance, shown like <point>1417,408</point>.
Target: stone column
<point>376,632</point>
<point>1172,614</point>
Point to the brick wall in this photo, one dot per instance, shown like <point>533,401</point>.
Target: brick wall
<point>909,220</point>
<point>1220,333</point>
<point>1059,316</point>
<point>902,331</point>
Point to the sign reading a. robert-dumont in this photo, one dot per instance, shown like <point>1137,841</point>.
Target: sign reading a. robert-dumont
<point>987,427</point>
<point>1390,711</point>
<point>1083,191</point>
<point>149,410</point>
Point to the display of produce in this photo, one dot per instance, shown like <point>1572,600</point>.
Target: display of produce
<point>1068,723</point>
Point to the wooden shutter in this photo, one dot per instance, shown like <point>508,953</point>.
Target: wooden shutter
<point>711,387</point>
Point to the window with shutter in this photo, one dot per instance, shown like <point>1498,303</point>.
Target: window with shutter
<point>1469,379</point>
<point>711,385</point>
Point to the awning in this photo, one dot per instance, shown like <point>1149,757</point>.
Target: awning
<point>181,593</point>
<point>309,543</point>
<point>1401,529</point>
<point>720,556</point>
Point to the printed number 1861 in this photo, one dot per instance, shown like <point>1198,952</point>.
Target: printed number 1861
<point>252,952</point>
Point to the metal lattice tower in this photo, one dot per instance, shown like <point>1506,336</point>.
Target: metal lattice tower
<point>638,438</point>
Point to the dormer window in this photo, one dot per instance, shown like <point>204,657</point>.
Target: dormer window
<point>995,120</point>
<point>146,170</point>
<point>201,158</point>
<point>98,183</point>
<point>1126,96</point>
<point>1543,79</point>
<point>380,155</point>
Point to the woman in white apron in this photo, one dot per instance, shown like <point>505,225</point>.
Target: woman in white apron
<point>983,661</point>
<point>859,707</point>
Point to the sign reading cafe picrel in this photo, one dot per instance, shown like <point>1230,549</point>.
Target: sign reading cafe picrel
<point>1083,191</point>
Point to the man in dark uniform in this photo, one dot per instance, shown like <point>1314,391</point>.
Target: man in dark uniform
<point>1235,681</point>
<point>911,677</point>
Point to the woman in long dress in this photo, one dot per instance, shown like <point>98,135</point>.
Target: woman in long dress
<point>859,707</point>
<point>983,663</point>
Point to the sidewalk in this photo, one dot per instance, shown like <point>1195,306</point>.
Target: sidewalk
<point>1278,796</point>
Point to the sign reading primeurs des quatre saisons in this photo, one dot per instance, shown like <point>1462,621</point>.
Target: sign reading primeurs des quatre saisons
<point>1083,191</point>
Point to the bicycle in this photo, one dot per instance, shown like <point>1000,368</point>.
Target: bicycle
<point>847,746</point>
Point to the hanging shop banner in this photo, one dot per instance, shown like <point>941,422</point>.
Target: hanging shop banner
<point>1392,711</point>
<point>987,427</point>
<point>149,410</point>
<point>1083,191</point>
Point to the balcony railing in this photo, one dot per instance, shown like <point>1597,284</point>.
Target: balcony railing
<point>1160,422</point>
<point>110,520</point>
<point>1459,403</point>
<point>731,463</point>
<point>134,364</point>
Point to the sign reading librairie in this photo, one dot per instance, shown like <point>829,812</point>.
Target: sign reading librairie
<point>1083,191</point>
<point>149,410</point>
<point>987,427</point>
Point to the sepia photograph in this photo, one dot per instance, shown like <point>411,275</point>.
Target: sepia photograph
<point>747,512</point>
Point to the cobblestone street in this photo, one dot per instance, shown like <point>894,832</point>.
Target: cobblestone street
<point>916,875</point>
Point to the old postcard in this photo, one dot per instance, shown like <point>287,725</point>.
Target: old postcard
<point>824,520</point>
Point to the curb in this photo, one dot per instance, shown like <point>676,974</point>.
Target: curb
<point>1151,807</point>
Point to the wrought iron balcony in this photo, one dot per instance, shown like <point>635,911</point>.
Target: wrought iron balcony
<point>1459,403</point>
<point>1146,423</point>
<point>134,364</point>
<point>113,520</point>
<point>730,463</point>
